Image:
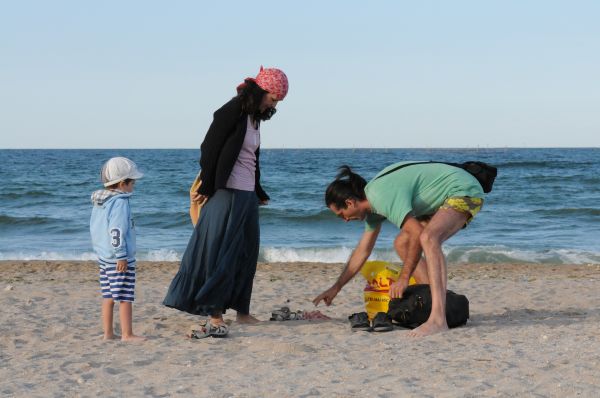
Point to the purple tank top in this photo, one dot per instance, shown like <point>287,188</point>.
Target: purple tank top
<point>243,173</point>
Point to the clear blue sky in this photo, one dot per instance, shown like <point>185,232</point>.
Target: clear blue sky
<point>149,74</point>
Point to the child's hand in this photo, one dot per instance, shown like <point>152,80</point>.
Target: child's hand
<point>121,265</point>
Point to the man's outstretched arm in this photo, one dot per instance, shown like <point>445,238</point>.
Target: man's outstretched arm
<point>358,257</point>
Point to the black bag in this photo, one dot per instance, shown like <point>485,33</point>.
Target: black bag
<point>414,307</point>
<point>483,172</point>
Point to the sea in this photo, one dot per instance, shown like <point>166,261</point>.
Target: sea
<point>544,207</point>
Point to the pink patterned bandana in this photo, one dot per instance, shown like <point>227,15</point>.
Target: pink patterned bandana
<point>274,81</point>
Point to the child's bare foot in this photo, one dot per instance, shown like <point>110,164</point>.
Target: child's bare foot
<point>133,338</point>
<point>246,319</point>
<point>110,337</point>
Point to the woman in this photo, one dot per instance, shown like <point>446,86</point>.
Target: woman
<point>218,266</point>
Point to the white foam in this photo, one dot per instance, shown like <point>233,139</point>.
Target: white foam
<point>152,255</point>
<point>49,256</point>
<point>309,255</point>
<point>499,254</point>
<point>318,255</point>
<point>160,255</point>
<point>457,254</point>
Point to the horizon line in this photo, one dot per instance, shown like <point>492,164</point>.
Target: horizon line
<point>308,148</point>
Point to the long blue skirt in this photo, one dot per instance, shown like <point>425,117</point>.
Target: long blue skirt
<point>218,266</point>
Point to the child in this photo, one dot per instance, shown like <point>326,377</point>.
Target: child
<point>113,237</point>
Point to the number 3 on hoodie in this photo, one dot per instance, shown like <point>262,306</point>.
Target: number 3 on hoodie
<point>115,233</point>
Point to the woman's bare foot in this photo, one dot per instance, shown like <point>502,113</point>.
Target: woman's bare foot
<point>217,320</point>
<point>246,319</point>
<point>110,337</point>
<point>133,338</point>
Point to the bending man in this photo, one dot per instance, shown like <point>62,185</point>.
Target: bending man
<point>429,202</point>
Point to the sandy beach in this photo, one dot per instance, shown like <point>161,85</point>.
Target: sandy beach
<point>534,331</point>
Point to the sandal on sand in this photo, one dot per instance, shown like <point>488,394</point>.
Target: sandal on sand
<point>360,321</point>
<point>382,322</point>
<point>218,330</point>
<point>207,329</point>
<point>284,314</point>
<point>198,333</point>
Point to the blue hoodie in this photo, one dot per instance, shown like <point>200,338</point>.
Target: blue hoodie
<point>112,227</point>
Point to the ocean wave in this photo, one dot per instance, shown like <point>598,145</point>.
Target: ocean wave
<point>10,221</point>
<point>503,254</point>
<point>559,179</point>
<point>48,256</point>
<point>554,164</point>
<point>297,215</point>
<point>160,255</point>
<point>151,255</point>
<point>309,255</point>
<point>165,220</point>
<point>26,194</point>
<point>455,255</point>
<point>569,211</point>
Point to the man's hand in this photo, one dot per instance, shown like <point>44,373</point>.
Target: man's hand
<point>327,296</point>
<point>121,265</point>
<point>397,288</point>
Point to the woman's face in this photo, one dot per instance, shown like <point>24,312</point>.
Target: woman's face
<point>269,101</point>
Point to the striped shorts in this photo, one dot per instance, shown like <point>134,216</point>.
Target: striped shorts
<point>118,286</point>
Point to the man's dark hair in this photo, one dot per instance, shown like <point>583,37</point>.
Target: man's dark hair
<point>347,185</point>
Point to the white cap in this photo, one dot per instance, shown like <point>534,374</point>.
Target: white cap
<point>119,169</point>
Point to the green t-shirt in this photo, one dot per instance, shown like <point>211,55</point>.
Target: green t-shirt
<point>417,190</point>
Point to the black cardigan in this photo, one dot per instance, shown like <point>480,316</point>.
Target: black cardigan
<point>221,148</point>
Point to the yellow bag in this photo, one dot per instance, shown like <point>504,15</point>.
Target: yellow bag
<point>379,276</point>
<point>195,207</point>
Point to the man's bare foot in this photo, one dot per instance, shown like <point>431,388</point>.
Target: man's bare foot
<point>428,328</point>
<point>110,337</point>
<point>246,319</point>
<point>133,338</point>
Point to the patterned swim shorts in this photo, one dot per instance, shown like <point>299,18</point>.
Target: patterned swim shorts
<point>464,204</point>
<point>119,286</point>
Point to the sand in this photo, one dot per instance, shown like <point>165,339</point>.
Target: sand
<point>534,331</point>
